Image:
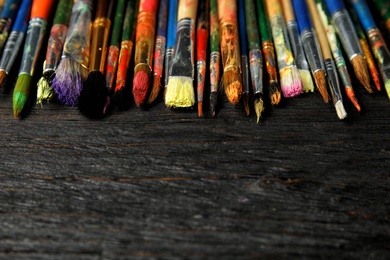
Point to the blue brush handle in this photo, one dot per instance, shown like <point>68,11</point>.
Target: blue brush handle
<point>23,16</point>
<point>364,14</point>
<point>302,15</point>
<point>172,22</point>
<point>162,18</point>
<point>10,9</point>
<point>242,28</point>
<point>334,5</point>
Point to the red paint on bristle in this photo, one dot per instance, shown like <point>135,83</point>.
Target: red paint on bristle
<point>140,87</point>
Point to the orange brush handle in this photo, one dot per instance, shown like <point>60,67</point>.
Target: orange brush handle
<point>41,8</point>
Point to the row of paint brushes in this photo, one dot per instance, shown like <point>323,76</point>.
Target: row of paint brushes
<point>79,70</point>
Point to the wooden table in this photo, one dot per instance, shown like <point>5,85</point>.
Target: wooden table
<point>161,183</point>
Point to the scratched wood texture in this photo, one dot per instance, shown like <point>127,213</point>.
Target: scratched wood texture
<point>165,184</point>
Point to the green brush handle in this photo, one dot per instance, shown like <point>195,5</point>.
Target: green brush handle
<point>263,22</point>
<point>117,23</point>
<point>63,12</point>
<point>129,21</point>
<point>214,27</point>
<point>251,25</point>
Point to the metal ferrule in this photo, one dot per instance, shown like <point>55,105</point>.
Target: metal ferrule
<point>100,31</point>
<point>215,71</point>
<point>296,46</point>
<point>312,49</point>
<point>347,33</point>
<point>245,74</point>
<point>34,37</point>
<point>9,55</point>
<point>167,64</point>
<point>256,68</point>
<point>381,52</point>
<point>333,80</point>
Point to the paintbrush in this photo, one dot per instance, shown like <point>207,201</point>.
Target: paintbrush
<point>230,50</point>
<point>337,52</point>
<point>40,12</point>
<point>383,6</point>
<point>73,68</point>
<point>2,3</point>
<point>111,66</point>
<point>120,97</point>
<point>144,47</point>
<point>202,35</point>
<point>54,50</point>
<point>297,47</point>
<point>347,34</point>
<point>255,57</point>
<point>7,18</point>
<point>331,73</point>
<point>15,40</point>
<point>290,80</point>
<point>244,54</point>
<point>94,94</point>
<point>159,50</point>
<point>311,46</point>
<point>269,54</point>
<point>376,41</point>
<point>365,48</point>
<point>180,90</point>
<point>171,38</point>
<point>215,56</point>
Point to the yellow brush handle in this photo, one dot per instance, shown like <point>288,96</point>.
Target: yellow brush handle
<point>187,9</point>
<point>288,10</point>
<point>227,11</point>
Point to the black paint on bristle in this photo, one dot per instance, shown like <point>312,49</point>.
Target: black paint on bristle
<point>93,96</point>
<point>182,63</point>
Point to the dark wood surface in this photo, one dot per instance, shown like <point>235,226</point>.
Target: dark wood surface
<point>162,183</point>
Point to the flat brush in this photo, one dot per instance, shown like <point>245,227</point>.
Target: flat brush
<point>255,57</point>
<point>330,66</point>
<point>290,80</point>
<point>180,90</point>
<point>337,52</point>
<point>7,18</point>
<point>159,50</point>
<point>202,35</point>
<point>94,94</point>
<point>269,54</point>
<point>111,65</point>
<point>15,40</point>
<point>144,47</point>
<point>311,46</point>
<point>376,41</point>
<point>297,47</point>
<point>73,68</point>
<point>54,50</point>
<point>120,97</point>
<point>230,50</point>
<point>215,57</point>
<point>40,12</point>
<point>347,34</point>
<point>244,55</point>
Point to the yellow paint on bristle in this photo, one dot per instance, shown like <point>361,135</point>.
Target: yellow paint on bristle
<point>232,85</point>
<point>259,108</point>
<point>44,91</point>
<point>387,87</point>
<point>180,92</point>
<point>307,81</point>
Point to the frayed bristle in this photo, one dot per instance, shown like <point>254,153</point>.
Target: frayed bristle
<point>93,96</point>
<point>232,84</point>
<point>259,108</point>
<point>290,81</point>
<point>140,87</point>
<point>44,91</point>
<point>68,82</point>
<point>352,98</point>
<point>3,76</point>
<point>307,81</point>
<point>359,65</point>
<point>275,93</point>
<point>155,89</point>
<point>340,110</point>
<point>180,92</point>
<point>322,85</point>
<point>20,95</point>
<point>213,102</point>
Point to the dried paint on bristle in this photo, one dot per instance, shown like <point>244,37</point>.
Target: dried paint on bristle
<point>351,95</point>
<point>340,110</point>
<point>290,81</point>
<point>200,108</point>
<point>320,79</point>
<point>180,92</point>
<point>232,84</point>
<point>156,89</point>
<point>245,98</point>
<point>44,91</point>
<point>259,108</point>
<point>213,102</point>
<point>387,87</point>
<point>307,81</point>
<point>3,76</point>
<point>361,71</point>
<point>140,87</point>
<point>275,94</point>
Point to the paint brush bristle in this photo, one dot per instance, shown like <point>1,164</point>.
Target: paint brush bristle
<point>360,67</point>
<point>259,108</point>
<point>320,79</point>
<point>20,95</point>
<point>275,94</point>
<point>3,76</point>
<point>232,84</point>
<point>290,81</point>
<point>213,102</point>
<point>141,83</point>
<point>180,92</point>
<point>307,81</point>
<point>387,87</point>
<point>351,95</point>
<point>44,89</point>
<point>341,113</point>
<point>156,89</point>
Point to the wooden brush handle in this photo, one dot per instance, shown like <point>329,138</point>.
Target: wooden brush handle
<point>227,11</point>
<point>288,10</point>
<point>187,9</point>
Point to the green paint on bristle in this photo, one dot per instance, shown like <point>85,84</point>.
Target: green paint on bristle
<point>387,87</point>
<point>20,95</point>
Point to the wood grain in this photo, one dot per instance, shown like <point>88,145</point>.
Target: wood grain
<point>163,184</point>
